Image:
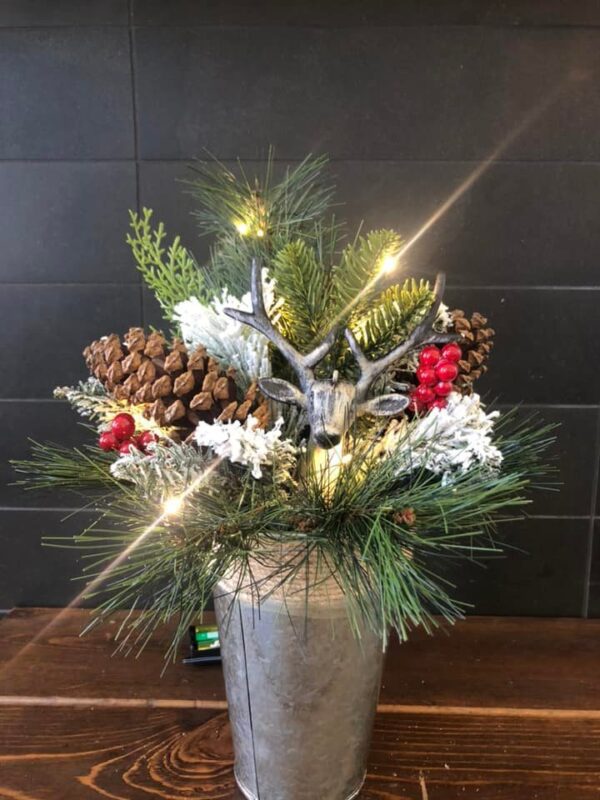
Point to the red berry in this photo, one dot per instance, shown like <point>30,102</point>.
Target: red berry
<point>144,439</point>
<point>439,402</point>
<point>123,426</point>
<point>452,352</point>
<point>127,446</point>
<point>426,375</point>
<point>443,388</point>
<point>429,356</point>
<point>446,370</point>
<point>424,394</point>
<point>108,441</point>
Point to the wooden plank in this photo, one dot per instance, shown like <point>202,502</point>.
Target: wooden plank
<point>90,753</point>
<point>484,661</point>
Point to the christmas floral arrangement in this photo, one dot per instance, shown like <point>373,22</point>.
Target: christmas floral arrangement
<point>306,400</point>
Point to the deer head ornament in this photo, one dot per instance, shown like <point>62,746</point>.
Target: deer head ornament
<point>331,404</point>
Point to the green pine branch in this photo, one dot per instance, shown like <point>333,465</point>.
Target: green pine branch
<point>357,280</point>
<point>392,317</point>
<point>303,285</point>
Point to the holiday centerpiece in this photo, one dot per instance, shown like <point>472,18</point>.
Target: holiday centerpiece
<point>304,443</point>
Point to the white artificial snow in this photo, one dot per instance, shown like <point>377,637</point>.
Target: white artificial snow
<point>246,444</point>
<point>447,440</point>
<point>230,342</point>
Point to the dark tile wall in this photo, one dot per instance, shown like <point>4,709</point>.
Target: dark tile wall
<point>105,102</point>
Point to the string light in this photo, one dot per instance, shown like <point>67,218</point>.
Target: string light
<point>172,505</point>
<point>242,228</point>
<point>389,264</point>
<point>260,233</point>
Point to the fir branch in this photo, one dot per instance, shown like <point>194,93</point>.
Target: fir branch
<point>393,315</point>
<point>171,273</point>
<point>357,279</point>
<point>302,283</point>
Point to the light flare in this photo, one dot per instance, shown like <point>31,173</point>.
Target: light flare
<point>168,510</point>
<point>389,264</point>
<point>463,187</point>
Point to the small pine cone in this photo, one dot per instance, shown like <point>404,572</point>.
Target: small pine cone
<point>132,363</point>
<point>147,371</point>
<point>112,349</point>
<point>221,389</point>
<point>208,384</point>
<point>135,339</point>
<point>478,320</point>
<point>251,392</point>
<point>100,368</point>
<point>228,412</point>
<point>198,360</point>
<point>262,413</point>
<point>203,401</point>
<point>121,392</point>
<point>242,411</point>
<point>157,411</point>
<point>115,373</point>
<point>476,344</point>
<point>162,387</point>
<point>178,346</point>
<point>184,384</point>
<point>155,345</point>
<point>173,387</point>
<point>174,412</point>
<point>144,394</point>
<point>173,362</point>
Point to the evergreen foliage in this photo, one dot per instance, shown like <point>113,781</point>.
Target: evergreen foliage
<point>355,518</point>
<point>171,273</point>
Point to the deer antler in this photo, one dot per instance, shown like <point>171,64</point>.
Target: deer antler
<point>303,364</point>
<point>421,335</point>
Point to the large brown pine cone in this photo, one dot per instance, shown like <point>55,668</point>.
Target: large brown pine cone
<point>176,388</point>
<point>476,342</point>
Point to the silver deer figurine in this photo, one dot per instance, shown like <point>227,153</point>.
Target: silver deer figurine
<point>331,404</point>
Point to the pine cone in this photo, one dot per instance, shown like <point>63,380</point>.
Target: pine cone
<point>176,388</point>
<point>476,342</point>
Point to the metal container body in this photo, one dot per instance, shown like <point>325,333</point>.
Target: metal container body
<point>302,692</point>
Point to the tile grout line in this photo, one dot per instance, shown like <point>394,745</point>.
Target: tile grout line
<point>90,510</point>
<point>134,110</point>
<point>383,25</point>
<point>457,287</point>
<point>500,405</point>
<point>587,575</point>
<point>369,160</point>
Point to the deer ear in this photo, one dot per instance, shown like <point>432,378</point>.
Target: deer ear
<point>282,391</point>
<point>386,405</point>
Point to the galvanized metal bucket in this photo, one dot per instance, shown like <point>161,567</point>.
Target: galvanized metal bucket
<point>302,689</point>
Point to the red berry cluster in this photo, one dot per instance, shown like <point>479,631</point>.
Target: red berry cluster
<point>436,372</point>
<point>122,437</point>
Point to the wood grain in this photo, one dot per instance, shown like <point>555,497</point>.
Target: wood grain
<point>483,661</point>
<point>89,753</point>
<point>500,710</point>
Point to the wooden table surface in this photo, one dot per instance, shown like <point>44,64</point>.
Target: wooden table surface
<point>498,709</point>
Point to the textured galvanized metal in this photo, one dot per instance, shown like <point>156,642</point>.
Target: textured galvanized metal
<point>302,692</point>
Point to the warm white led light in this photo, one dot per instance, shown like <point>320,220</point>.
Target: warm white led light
<point>260,233</point>
<point>389,264</point>
<point>242,228</point>
<point>172,505</point>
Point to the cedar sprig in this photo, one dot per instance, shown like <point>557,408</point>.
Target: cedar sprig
<point>170,272</point>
